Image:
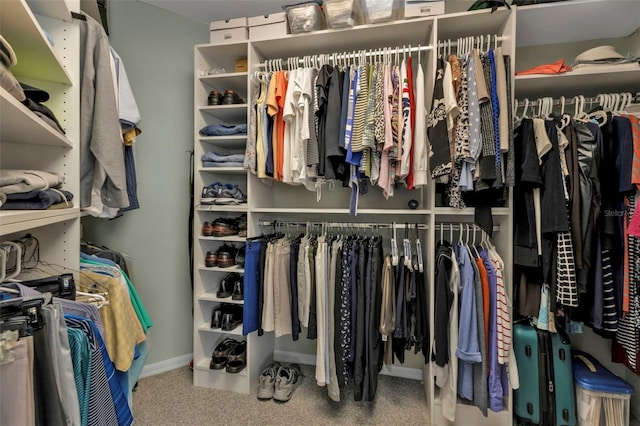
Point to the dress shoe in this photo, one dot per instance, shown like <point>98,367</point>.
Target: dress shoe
<point>240,256</point>
<point>227,285</point>
<point>232,318</point>
<point>207,229</point>
<point>226,256</point>
<point>238,289</point>
<point>230,97</point>
<point>225,227</point>
<point>211,259</point>
<point>215,98</point>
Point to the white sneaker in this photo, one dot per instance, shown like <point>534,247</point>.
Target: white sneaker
<point>267,381</point>
<point>287,380</point>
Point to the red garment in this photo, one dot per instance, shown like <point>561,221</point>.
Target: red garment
<point>557,67</point>
<point>412,106</point>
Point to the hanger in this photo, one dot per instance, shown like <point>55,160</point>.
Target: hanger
<point>7,247</point>
<point>419,250</point>
<point>407,248</point>
<point>394,247</point>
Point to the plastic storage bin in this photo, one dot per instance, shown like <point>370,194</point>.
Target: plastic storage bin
<point>304,18</point>
<point>342,13</point>
<point>376,11</point>
<point>602,398</point>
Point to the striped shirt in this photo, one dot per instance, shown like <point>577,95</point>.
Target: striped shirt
<point>503,310</point>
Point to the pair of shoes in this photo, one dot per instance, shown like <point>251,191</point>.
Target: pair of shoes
<point>225,227</point>
<point>231,285</point>
<point>230,97</point>
<point>225,257</point>
<point>207,229</point>
<point>226,317</point>
<point>242,225</point>
<point>279,381</point>
<point>226,194</point>
<point>214,98</point>
<point>230,355</point>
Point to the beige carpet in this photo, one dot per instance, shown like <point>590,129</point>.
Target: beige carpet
<point>171,399</point>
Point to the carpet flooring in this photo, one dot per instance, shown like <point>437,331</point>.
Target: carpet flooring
<point>171,399</point>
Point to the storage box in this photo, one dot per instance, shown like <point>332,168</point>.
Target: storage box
<point>418,9</point>
<point>267,26</point>
<point>376,11</point>
<point>229,35</point>
<point>598,388</point>
<point>304,18</point>
<point>228,23</point>
<point>342,13</point>
<point>241,65</point>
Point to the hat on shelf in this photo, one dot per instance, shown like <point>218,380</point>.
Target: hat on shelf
<point>599,53</point>
<point>7,55</point>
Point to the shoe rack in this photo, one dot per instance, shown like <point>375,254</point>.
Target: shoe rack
<point>214,67</point>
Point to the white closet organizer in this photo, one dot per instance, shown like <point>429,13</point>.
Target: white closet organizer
<point>282,202</point>
<point>548,32</point>
<point>27,142</point>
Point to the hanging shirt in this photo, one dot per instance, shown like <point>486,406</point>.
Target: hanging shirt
<point>419,160</point>
<point>440,161</point>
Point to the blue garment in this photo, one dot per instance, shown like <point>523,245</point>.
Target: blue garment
<point>132,181</point>
<point>81,359</point>
<point>223,130</point>
<point>215,164</point>
<point>343,108</point>
<point>98,259</point>
<point>251,287</point>
<point>38,199</point>
<point>495,383</point>
<point>468,351</point>
<point>496,113</point>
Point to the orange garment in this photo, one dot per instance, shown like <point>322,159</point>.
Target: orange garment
<point>272,110</point>
<point>484,278</point>
<point>281,91</point>
<point>557,67</point>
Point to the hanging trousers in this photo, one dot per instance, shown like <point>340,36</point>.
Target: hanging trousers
<point>374,352</point>
<point>252,293</point>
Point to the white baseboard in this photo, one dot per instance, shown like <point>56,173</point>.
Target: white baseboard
<point>166,365</point>
<point>308,359</point>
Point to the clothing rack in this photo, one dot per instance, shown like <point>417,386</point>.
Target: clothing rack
<point>373,225</point>
<point>572,101</point>
<point>471,42</point>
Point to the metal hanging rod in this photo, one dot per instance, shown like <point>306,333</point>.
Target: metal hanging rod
<point>478,41</point>
<point>347,55</point>
<point>373,225</point>
<point>572,100</point>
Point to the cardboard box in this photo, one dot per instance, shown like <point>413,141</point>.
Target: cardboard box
<point>241,65</point>
<point>267,26</point>
<point>229,35</point>
<point>228,23</point>
<point>272,18</point>
<point>414,9</point>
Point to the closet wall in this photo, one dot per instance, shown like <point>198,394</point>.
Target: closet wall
<point>157,48</point>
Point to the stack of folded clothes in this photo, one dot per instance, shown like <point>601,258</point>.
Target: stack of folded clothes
<point>212,159</point>
<point>32,190</point>
<point>223,130</point>
<point>604,58</point>
<point>31,97</point>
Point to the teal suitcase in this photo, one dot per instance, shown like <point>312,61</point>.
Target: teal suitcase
<point>546,395</point>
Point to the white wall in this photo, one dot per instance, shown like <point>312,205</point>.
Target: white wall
<point>157,50</point>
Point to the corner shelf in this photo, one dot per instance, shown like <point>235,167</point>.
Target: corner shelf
<point>235,332</point>
<point>235,268</point>
<point>235,113</point>
<point>12,221</point>
<point>204,365</point>
<point>241,208</point>
<point>211,297</point>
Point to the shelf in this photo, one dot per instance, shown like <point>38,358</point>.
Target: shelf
<point>12,221</point>
<point>235,114</point>
<point>233,49</point>
<point>223,170</point>
<point>235,268</point>
<point>211,297</point>
<point>242,208</point>
<point>340,211</point>
<point>21,125</point>
<point>204,365</point>
<point>56,9</point>
<point>234,141</point>
<point>236,81</point>
<point>235,332</point>
<point>572,83</point>
<point>36,57</point>
<point>374,36</point>
<point>550,23</point>
<point>476,22</point>
<point>469,211</point>
<point>233,238</point>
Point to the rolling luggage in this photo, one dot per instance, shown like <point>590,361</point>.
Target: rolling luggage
<point>546,395</point>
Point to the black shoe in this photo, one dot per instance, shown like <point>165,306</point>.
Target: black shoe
<point>215,98</point>
<point>222,352</point>
<point>218,314</point>
<point>240,256</point>
<point>230,97</point>
<point>227,285</point>
<point>238,289</point>
<point>237,359</point>
<point>232,319</point>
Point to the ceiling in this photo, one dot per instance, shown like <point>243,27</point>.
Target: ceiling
<point>206,11</point>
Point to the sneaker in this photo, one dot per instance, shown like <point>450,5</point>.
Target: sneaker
<point>230,194</point>
<point>267,381</point>
<point>210,193</point>
<point>287,380</point>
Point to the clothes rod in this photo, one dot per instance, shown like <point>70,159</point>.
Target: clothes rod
<point>356,54</point>
<point>380,225</point>
<point>573,100</point>
<point>477,41</point>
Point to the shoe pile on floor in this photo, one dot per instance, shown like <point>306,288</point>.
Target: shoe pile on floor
<point>279,381</point>
<point>230,355</point>
<point>222,194</point>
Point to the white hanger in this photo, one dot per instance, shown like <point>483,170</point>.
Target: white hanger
<point>394,247</point>
<point>419,251</point>
<point>18,268</point>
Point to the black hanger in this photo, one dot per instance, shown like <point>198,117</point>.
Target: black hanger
<point>80,16</point>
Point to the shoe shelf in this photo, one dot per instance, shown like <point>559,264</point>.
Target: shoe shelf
<point>219,269</point>
<point>211,297</point>
<point>232,238</point>
<point>206,328</point>
<point>236,81</point>
<point>204,365</point>
<point>242,208</point>
<point>223,170</point>
<point>234,113</point>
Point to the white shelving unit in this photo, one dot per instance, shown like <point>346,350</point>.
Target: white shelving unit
<point>26,142</point>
